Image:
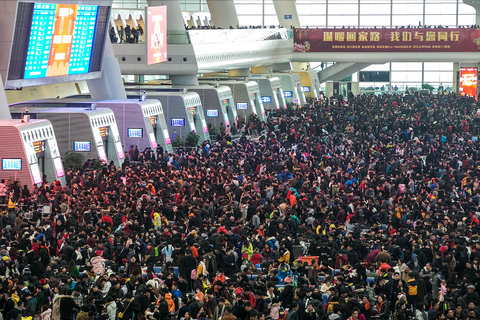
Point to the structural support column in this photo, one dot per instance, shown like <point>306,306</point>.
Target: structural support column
<point>223,13</point>
<point>110,85</point>
<point>4,110</point>
<point>287,13</point>
<point>174,13</point>
<point>456,70</point>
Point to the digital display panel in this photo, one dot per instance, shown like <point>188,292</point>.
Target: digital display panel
<point>103,131</point>
<point>287,94</point>
<point>212,113</point>
<point>12,164</point>
<point>61,40</point>
<point>177,122</point>
<point>306,89</point>
<point>156,34</point>
<point>39,146</point>
<point>135,133</point>
<point>153,120</point>
<point>468,82</point>
<point>266,99</point>
<point>242,106</point>
<point>82,146</point>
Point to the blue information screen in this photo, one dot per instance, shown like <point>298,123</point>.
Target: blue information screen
<point>134,133</point>
<point>82,146</point>
<point>83,39</point>
<point>178,122</point>
<point>212,113</point>
<point>306,89</point>
<point>242,106</point>
<point>266,99</point>
<point>287,94</point>
<point>12,164</point>
<point>61,40</point>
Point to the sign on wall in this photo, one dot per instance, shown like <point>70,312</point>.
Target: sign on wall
<point>468,82</point>
<point>387,40</point>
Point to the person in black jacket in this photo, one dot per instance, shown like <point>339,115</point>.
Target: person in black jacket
<point>162,305</point>
<point>140,302</point>
<point>189,264</point>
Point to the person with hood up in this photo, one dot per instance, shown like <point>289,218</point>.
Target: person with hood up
<point>283,272</point>
<point>170,302</point>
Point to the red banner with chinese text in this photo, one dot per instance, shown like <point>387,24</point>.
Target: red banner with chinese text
<point>387,40</point>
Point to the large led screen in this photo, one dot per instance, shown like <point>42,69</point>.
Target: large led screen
<point>64,42</point>
<point>61,40</point>
<point>468,82</point>
<point>156,34</point>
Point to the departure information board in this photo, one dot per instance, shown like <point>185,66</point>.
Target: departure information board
<point>61,40</point>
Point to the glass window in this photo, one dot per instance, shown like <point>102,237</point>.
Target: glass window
<point>403,20</point>
<point>443,76</point>
<point>465,8</point>
<point>340,21</point>
<point>441,8</point>
<point>313,21</point>
<point>346,7</point>
<point>374,8</point>
<point>378,67</point>
<point>248,8</point>
<point>372,21</point>
<point>410,7</point>
<point>466,20</point>
<point>444,20</point>
<point>406,76</point>
<point>271,20</point>
<point>249,20</point>
<point>438,66</point>
<point>269,9</point>
<point>311,8</point>
<point>407,66</point>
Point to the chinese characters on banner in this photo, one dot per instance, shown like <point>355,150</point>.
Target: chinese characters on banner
<point>468,82</point>
<point>387,40</point>
<point>156,34</point>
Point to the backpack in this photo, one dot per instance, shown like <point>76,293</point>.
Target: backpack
<point>463,255</point>
<point>26,272</point>
<point>193,274</point>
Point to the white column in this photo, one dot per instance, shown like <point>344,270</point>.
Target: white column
<point>285,9</point>
<point>110,85</point>
<point>223,13</point>
<point>174,13</point>
<point>4,110</point>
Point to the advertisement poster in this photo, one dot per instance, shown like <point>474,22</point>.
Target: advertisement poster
<point>468,82</point>
<point>156,34</point>
<point>387,40</point>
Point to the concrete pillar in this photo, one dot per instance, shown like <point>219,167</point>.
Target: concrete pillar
<point>240,73</point>
<point>184,80</point>
<point>329,89</point>
<point>355,88</point>
<point>286,9</point>
<point>4,110</point>
<point>476,5</point>
<point>174,13</point>
<point>110,85</point>
<point>223,13</point>
<point>456,70</point>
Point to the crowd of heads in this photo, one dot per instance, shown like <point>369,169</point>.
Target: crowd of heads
<point>377,194</point>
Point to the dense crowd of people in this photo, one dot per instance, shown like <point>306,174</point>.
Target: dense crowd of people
<point>378,194</point>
